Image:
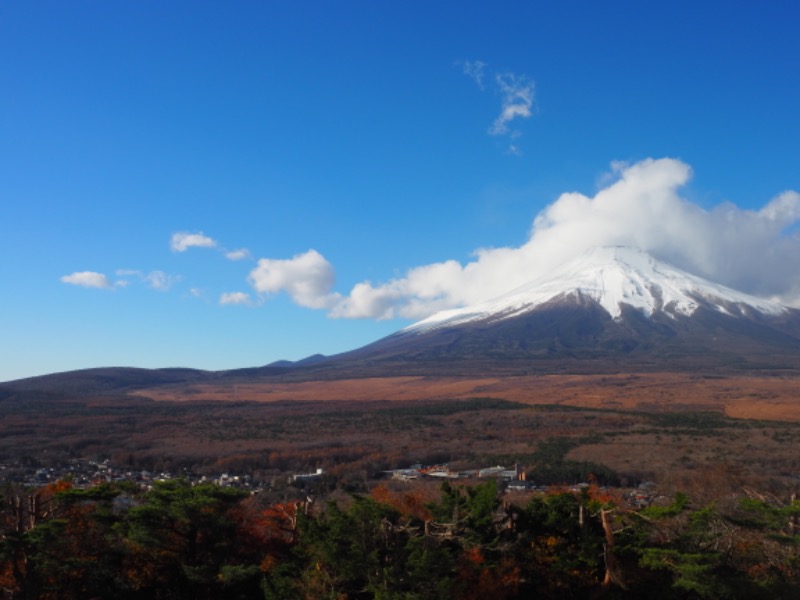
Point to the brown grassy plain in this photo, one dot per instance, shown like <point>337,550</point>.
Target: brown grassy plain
<point>662,426</point>
<point>743,397</point>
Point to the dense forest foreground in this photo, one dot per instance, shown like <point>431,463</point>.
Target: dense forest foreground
<point>184,541</point>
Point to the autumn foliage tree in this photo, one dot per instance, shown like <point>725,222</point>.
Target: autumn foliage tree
<point>180,541</point>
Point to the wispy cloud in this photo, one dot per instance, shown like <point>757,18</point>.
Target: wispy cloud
<point>517,99</point>
<point>239,254</point>
<point>161,281</point>
<point>517,103</point>
<point>235,298</point>
<point>157,280</point>
<point>89,279</point>
<point>182,241</point>
<point>474,69</point>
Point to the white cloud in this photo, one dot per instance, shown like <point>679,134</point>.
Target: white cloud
<point>308,278</point>
<point>423,291</point>
<point>182,241</point>
<point>234,298</point>
<point>89,279</point>
<point>639,206</point>
<point>517,102</point>
<point>239,254</point>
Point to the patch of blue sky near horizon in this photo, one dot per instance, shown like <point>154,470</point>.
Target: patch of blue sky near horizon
<point>349,129</point>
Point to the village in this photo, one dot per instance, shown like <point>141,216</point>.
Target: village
<point>87,473</point>
<point>84,474</point>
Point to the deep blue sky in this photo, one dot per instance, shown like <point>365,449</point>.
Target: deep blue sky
<point>356,129</point>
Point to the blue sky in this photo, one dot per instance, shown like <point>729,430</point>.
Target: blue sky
<point>373,162</point>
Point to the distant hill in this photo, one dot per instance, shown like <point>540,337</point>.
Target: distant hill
<point>309,360</point>
<point>92,381</point>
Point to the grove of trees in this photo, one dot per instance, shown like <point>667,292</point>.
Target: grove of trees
<point>182,541</point>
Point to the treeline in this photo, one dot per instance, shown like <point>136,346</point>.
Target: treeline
<point>179,541</point>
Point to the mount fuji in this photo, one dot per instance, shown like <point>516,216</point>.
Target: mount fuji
<point>608,309</point>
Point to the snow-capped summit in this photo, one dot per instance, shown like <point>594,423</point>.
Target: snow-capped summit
<point>610,309</point>
<point>611,276</point>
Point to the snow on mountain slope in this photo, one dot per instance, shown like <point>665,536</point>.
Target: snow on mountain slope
<point>611,276</point>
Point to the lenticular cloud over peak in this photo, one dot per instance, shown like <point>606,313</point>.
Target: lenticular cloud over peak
<point>751,251</point>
